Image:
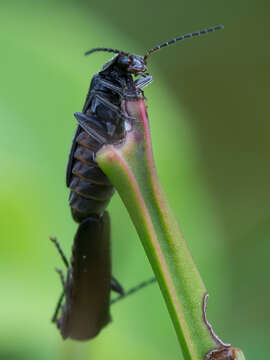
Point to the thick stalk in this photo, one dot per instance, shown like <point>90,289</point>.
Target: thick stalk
<point>130,167</point>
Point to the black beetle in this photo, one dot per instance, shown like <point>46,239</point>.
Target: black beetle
<point>102,121</point>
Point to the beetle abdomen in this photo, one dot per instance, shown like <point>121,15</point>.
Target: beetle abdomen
<point>90,188</point>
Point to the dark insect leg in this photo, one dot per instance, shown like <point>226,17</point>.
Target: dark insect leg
<point>107,84</point>
<point>61,275</point>
<point>88,125</point>
<point>60,272</point>
<point>105,102</point>
<point>133,290</point>
<point>59,303</point>
<point>143,81</point>
<point>58,247</point>
<point>111,106</point>
<point>117,287</point>
<point>111,86</point>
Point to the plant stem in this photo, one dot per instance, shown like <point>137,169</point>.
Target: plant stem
<point>130,167</point>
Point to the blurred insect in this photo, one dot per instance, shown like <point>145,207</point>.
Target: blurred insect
<point>88,282</point>
<point>102,121</point>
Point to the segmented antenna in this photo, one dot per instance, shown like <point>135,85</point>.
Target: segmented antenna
<point>182,37</point>
<point>115,51</point>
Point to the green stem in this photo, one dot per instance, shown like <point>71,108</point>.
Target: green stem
<point>130,167</point>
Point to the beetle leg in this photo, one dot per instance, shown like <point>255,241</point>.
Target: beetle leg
<point>89,125</point>
<point>117,287</point>
<point>112,107</point>
<point>105,102</point>
<point>58,247</point>
<point>107,84</point>
<point>111,86</point>
<point>143,81</point>
<point>61,275</point>
<point>134,289</point>
<point>59,303</point>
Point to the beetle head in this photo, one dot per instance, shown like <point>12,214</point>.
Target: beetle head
<point>131,63</point>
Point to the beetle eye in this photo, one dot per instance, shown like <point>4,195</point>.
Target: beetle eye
<point>124,61</point>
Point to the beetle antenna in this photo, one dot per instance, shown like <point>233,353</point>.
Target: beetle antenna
<point>115,51</point>
<point>182,37</point>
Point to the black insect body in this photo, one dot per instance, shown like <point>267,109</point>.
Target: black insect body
<point>88,282</point>
<point>102,121</point>
<point>83,316</point>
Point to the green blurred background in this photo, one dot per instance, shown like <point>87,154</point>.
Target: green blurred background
<point>208,107</point>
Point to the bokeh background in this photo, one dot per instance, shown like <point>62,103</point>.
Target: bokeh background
<point>209,114</point>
